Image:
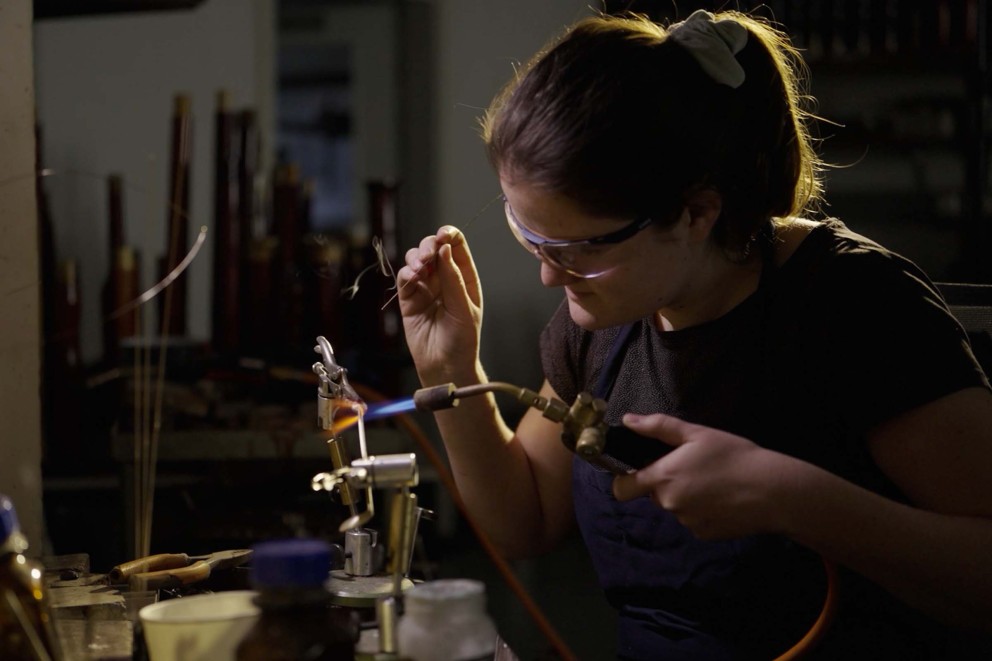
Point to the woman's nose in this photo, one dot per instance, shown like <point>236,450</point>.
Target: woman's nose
<point>552,276</point>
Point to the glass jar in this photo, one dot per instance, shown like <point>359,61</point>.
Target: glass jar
<point>26,627</point>
<point>297,620</point>
<point>446,620</point>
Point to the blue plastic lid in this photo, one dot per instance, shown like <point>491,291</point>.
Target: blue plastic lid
<point>290,563</point>
<point>8,518</point>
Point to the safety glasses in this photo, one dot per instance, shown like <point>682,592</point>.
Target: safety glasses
<point>584,258</point>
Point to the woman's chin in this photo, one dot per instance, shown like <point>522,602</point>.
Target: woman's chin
<point>586,319</point>
<point>593,319</point>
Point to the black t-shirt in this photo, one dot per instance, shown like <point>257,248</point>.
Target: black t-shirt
<point>843,336</point>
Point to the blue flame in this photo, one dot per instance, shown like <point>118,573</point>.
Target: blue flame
<point>386,409</point>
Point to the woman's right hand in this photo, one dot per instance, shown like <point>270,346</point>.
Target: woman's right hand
<point>441,302</point>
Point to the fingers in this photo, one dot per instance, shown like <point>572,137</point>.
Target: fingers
<point>420,266</point>
<point>631,486</point>
<point>463,260</point>
<point>411,288</point>
<point>422,263</point>
<point>420,260</point>
<point>666,428</point>
<point>453,288</point>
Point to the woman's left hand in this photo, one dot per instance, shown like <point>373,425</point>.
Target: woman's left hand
<point>717,484</point>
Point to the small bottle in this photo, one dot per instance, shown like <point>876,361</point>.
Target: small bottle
<point>298,620</point>
<point>27,631</point>
<point>446,620</point>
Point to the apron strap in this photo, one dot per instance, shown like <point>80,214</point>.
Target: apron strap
<point>611,366</point>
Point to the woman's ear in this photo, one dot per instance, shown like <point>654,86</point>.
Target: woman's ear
<point>704,206</point>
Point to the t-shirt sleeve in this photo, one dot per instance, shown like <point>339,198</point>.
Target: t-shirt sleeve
<point>890,344</point>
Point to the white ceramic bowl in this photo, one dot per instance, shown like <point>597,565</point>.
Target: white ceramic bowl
<point>205,627</point>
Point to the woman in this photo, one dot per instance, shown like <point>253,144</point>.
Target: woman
<point>790,390</point>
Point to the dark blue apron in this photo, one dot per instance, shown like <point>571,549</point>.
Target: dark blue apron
<point>678,597</point>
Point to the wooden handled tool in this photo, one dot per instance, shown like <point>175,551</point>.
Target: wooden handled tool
<point>150,563</point>
<point>165,571</point>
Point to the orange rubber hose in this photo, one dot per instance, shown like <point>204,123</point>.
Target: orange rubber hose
<point>823,621</point>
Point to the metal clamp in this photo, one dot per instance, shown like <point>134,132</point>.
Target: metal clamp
<point>334,392</point>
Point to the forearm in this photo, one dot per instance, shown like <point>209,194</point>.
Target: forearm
<point>493,473</point>
<point>935,562</point>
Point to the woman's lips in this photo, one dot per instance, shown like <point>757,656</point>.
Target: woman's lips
<point>575,295</point>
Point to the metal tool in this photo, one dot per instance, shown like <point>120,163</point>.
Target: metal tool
<point>169,570</point>
<point>334,393</point>
<point>583,427</point>
<point>335,398</point>
<point>363,582</point>
<point>358,584</point>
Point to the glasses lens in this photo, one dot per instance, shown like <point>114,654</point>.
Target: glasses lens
<point>527,244</point>
<point>580,258</point>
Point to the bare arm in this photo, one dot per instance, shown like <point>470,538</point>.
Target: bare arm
<point>516,484</point>
<point>936,555</point>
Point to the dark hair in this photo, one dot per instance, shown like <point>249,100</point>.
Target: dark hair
<point>622,119</point>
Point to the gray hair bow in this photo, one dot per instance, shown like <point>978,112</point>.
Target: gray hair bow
<point>713,44</point>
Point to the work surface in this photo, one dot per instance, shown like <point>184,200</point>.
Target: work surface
<point>98,621</point>
<point>94,623</point>
<point>92,619</point>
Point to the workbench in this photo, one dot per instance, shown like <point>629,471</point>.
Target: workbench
<point>92,620</point>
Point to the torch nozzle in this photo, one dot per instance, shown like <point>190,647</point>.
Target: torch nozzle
<point>436,398</point>
<point>446,396</point>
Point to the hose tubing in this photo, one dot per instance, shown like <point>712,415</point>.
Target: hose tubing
<point>447,396</point>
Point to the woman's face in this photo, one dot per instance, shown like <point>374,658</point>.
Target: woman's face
<point>645,273</point>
